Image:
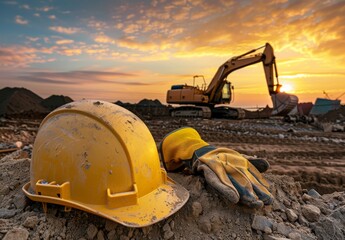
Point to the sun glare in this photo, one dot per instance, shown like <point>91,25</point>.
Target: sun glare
<point>287,87</point>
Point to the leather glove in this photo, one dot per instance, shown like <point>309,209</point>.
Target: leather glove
<point>224,169</point>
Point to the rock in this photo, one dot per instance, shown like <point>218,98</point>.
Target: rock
<point>110,225</point>
<point>339,214</point>
<point>166,227</point>
<point>312,192</point>
<point>19,144</point>
<point>100,235</point>
<point>91,231</point>
<point>17,234</point>
<point>31,222</point>
<point>111,234</point>
<point>302,220</point>
<point>172,224</point>
<point>306,197</point>
<point>261,223</point>
<point>168,234</point>
<point>196,209</point>
<point>268,230</point>
<point>283,229</point>
<point>291,215</point>
<point>270,237</point>
<point>278,206</point>
<point>20,200</point>
<point>7,213</point>
<point>311,212</point>
<point>4,190</point>
<point>328,228</point>
<point>205,225</point>
<point>123,237</point>
<point>295,236</point>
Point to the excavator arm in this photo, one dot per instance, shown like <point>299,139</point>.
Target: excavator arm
<point>283,103</point>
<point>266,57</point>
<point>219,91</point>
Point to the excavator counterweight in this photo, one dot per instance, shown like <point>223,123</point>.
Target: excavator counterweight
<point>219,89</point>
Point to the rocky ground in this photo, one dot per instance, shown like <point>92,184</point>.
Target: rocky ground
<point>307,175</point>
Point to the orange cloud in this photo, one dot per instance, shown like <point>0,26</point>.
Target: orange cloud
<point>21,56</point>
<point>64,41</point>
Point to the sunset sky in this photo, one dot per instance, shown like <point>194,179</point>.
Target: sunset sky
<point>130,50</point>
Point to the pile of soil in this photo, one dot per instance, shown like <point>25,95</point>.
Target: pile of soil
<point>21,102</point>
<point>295,213</point>
<point>55,101</point>
<point>311,208</point>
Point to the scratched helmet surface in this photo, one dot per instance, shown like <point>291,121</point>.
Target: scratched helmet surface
<point>99,157</point>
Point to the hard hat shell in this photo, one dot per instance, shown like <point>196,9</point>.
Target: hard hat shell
<point>99,157</point>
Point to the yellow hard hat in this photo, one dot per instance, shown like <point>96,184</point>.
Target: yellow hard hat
<point>99,157</point>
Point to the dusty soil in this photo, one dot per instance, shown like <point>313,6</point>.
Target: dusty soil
<point>301,157</point>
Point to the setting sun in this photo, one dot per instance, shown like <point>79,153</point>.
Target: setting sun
<point>287,87</point>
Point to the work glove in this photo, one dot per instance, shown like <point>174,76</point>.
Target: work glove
<point>224,169</point>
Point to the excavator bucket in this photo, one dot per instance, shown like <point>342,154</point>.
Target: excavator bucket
<point>283,103</point>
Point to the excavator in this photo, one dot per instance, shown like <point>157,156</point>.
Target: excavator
<point>201,101</point>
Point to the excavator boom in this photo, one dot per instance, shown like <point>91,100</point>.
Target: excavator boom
<point>218,91</point>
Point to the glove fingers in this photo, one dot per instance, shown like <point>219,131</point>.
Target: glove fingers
<point>261,165</point>
<point>260,185</point>
<point>212,179</point>
<point>244,187</point>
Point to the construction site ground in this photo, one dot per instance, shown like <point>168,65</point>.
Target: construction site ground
<point>302,158</point>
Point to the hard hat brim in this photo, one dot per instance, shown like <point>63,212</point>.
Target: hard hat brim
<point>159,204</point>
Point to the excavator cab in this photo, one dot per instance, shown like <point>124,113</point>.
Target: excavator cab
<point>226,93</point>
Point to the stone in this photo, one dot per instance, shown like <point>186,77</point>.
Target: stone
<point>311,212</point>
<point>302,220</point>
<point>339,214</point>
<point>270,237</point>
<point>17,234</point>
<point>312,192</point>
<point>31,222</point>
<point>166,227</point>
<point>100,235</point>
<point>172,224</point>
<point>168,234</point>
<point>196,209</point>
<point>91,231</point>
<point>111,234</point>
<point>268,230</point>
<point>328,228</point>
<point>295,236</point>
<point>123,237</point>
<point>283,229</point>
<point>205,225</point>
<point>306,197</point>
<point>261,223</point>
<point>20,200</point>
<point>291,215</point>
<point>7,213</point>
<point>110,225</point>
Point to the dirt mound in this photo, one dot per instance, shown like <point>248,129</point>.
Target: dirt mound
<point>295,213</point>
<point>55,101</point>
<point>151,103</point>
<point>295,151</point>
<point>19,101</point>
